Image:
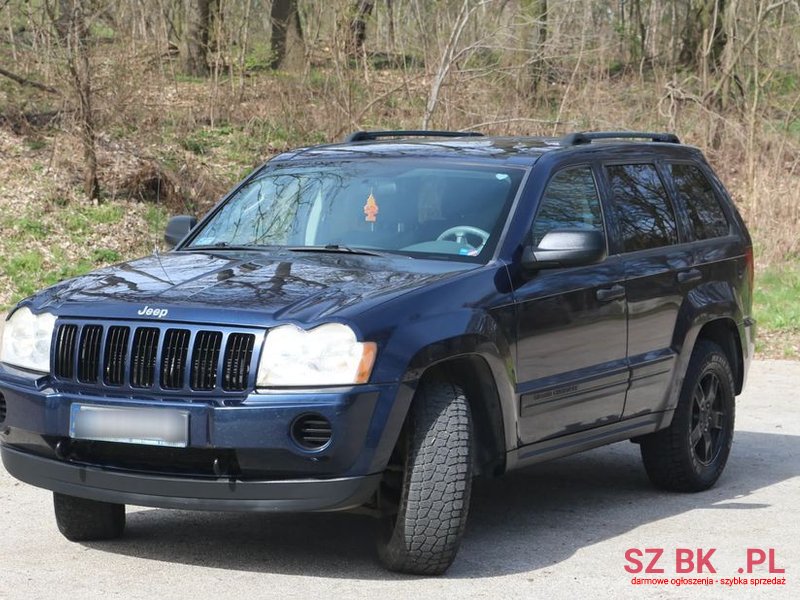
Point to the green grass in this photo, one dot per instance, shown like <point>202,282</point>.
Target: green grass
<point>82,220</point>
<point>156,218</point>
<point>777,310</point>
<point>777,298</point>
<point>31,269</point>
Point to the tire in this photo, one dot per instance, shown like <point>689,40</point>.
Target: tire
<point>690,454</point>
<point>433,469</point>
<point>82,520</point>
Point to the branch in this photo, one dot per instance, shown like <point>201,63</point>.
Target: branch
<point>517,120</point>
<point>23,81</point>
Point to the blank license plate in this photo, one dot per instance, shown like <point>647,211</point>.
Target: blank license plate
<point>151,426</point>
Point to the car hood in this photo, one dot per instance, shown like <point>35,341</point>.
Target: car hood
<point>242,287</point>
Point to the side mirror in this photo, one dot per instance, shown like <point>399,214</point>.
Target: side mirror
<point>565,248</point>
<point>178,228</point>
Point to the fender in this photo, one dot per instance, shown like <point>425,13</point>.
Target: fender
<point>712,302</point>
<point>487,341</point>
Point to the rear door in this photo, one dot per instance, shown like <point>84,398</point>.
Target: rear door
<point>571,347</point>
<point>658,273</point>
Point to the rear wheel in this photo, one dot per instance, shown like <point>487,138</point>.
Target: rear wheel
<point>429,483</point>
<point>81,520</point>
<point>690,455</point>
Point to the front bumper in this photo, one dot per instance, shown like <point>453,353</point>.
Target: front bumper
<point>240,457</point>
<point>298,495</point>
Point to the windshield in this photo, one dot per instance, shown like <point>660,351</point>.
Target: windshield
<point>397,206</point>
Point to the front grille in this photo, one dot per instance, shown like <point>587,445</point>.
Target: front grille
<point>147,357</point>
<point>89,354</point>
<point>173,359</point>
<point>65,350</point>
<point>152,459</point>
<point>143,357</point>
<point>116,350</point>
<point>205,355</point>
<point>236,366</point>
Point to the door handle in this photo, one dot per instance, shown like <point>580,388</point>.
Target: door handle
<point>615,292</point>
<point>690,276</point>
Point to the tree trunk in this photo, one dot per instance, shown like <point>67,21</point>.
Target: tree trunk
<point>640,47</point>
<point>195,57</point>
<point>535,13</point>
<point>285,26</point>
<point>390,13</point>
<point>704,36</point>
<point>358,27</point>
<point>71,27</point>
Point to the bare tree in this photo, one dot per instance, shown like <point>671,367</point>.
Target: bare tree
<point>358,27</point>
<point>70,25</point>
<point>535,14</point>
<point>286,30</point>
<point>704,35</point>
<point>195,47</point>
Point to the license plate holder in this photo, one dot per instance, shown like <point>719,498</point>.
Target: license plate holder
<point>130,425</point>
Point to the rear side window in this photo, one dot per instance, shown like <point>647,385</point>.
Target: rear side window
<point>642,208</point>
<point>569,201</point>
<point>694,190</point>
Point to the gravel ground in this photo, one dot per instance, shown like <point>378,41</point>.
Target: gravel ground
<point>558,530</point>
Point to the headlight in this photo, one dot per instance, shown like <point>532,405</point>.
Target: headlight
<point>26,340</point>
<point>326,355</point>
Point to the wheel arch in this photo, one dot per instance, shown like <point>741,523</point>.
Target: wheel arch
<point>725,334</point>
<point>472,373</point>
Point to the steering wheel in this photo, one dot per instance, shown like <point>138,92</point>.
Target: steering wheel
<point>460,232</point>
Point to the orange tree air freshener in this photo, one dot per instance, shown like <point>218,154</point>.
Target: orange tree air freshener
<point>371,209</point>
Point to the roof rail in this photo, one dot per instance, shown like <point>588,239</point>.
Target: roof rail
<point>364,136</point>
<point>587,137</point>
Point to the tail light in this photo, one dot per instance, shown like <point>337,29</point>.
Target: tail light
<point>749,263</point>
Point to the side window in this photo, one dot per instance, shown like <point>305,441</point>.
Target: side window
<point>705,213</point>
<point>569,201</point>
<point>645,216</point>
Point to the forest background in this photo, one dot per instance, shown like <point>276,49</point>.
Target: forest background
<point>116,115</point>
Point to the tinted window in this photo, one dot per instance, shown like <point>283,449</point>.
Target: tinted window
<point>643,211</point>
<point>696,193</point>
<point>569,201</point>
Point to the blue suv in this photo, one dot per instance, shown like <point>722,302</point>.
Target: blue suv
<point>370,325</point>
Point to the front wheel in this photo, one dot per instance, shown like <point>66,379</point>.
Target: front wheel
<point>690,454</point>
<point>430,480</point>
<point>82,520</point>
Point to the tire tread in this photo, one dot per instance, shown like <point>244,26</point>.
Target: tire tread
<point>433,511</point>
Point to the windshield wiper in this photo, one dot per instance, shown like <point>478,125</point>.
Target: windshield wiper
<point>335,248</point>
<point>224,246</point>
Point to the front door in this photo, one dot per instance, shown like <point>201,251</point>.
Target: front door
<point>572,371</point>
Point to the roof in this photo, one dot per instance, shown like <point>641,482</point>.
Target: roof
<point>465,145</point>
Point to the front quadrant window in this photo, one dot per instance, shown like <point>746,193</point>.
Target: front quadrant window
<point>570,201</point>
<point>642,208</point>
